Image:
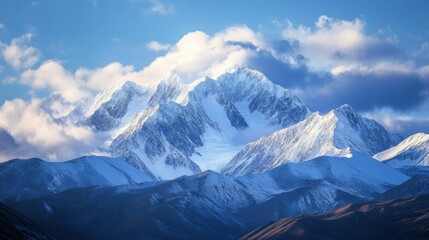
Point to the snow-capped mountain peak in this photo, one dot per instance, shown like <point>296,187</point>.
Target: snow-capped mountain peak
<point>117,92</point>
<point>332,134</point>
<point>218,117</point>
<point>413,151</point>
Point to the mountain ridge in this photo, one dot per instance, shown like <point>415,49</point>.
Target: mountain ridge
<point>335,133</point>
<point>186,137</point>
<point>35,177</point>
<point>413,151</point>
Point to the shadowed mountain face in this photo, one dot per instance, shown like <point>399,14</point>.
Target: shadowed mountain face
<point>15,226</point>
<point>416,186</point>
<point>210,205</point>
<point>398,219</point>
<point>23,179</point>
<point>145,213</point>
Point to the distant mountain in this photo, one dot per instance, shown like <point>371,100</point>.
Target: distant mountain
<point>333,134</point>
<point>209,122</point>
<point>415,186</point>
<point>211,205</point>
<point>112,108</point>
<point>414,170</point>
<point>398,219</point>
<point>14,226</point>
<point>413,151</point>
<point>22,179</point>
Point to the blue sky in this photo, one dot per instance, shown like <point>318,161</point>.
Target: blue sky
<point>94,33</point>
<point>373,55</point>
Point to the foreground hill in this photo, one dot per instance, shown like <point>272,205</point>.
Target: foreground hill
<point>396,219</point>
<point>14,226</point>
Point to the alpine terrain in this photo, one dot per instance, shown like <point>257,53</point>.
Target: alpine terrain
<point>336,133</point>
<point>413,151</point>
<point>172,128</point>
<point>210,204</point>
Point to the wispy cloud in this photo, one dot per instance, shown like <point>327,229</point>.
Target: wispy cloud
<point>93,2</point>
<point>35,3</point>
<point>2,26</point>
<point>28,129</point>
<point>333,41</point>
<point>157,46</point>
<point>158,7</point>
<point>19,54</point>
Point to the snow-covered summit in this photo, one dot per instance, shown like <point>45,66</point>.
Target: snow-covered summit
<point>413,151</point>
<point>332,134</point>
<point>218,118</point>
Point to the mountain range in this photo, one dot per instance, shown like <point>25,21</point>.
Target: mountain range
<point>213,158</point>
<point>336,133</point>
<point>21,179</point>
<point>172,129</point>
<point>209,203</point>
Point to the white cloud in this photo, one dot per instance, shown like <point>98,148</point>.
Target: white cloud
<point>424,72</point>
<point>52,75</point>
<point>377,68</point>
<point>332,42</point>
<point>195,55</point>
<point>100,79</point>
<point>9,80</point>
<point>2,26</point>
<point>157,46</point>
<point>157,7</point>
<point>400,122</point>
<point>38,134</point>
<point>198,54</point>
<point>242,34</point>
<point>79,85</point>
<point>18,54</point>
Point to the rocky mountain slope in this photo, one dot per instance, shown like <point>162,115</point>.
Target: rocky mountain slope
<point>207,124</point>
<point>413,151</point>
<point>333,134</point>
